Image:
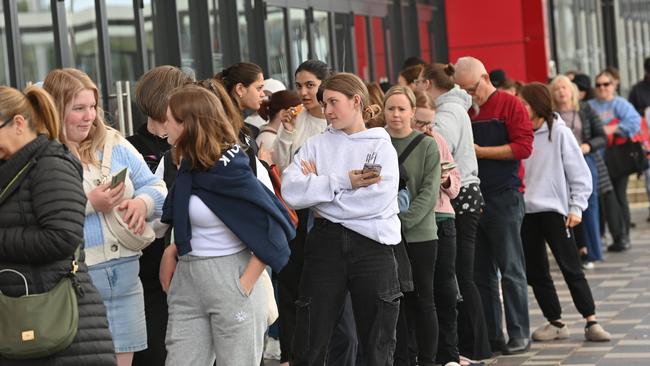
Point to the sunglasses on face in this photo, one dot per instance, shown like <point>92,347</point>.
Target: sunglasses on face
<point>603,85</point>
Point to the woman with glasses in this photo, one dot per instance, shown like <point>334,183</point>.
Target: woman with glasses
<point>453,123</point>
<point>620,120</point>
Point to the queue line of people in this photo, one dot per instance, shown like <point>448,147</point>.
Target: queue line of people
<point>364,277</point>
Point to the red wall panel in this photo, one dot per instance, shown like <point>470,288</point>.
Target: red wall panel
<point>505,34</point>
<point>360,38</point>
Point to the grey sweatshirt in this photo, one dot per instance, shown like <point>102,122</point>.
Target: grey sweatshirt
<point>453,123</point>
<point>557,176</point>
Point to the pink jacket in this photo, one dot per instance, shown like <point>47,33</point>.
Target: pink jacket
<point>446,194</point>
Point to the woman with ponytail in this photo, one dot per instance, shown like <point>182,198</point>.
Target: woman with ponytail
<point>348,177</point>
<point>453,123</point>
<point>280,105</point>
<point>42,220</point>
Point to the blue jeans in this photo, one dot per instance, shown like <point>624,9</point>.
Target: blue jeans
<point>590,218</point>
<point>499,249</point>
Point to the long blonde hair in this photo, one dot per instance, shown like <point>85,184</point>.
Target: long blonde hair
<point>35,105</point>
<point>572,87</point>
<point>64,85</point>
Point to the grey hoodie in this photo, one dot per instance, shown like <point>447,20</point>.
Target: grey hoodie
<point>557,176</point>
<point>453,123</point>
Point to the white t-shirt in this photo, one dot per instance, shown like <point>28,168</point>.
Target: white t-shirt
<point>210,236</point>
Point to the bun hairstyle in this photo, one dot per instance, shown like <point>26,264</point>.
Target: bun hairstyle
<point>440,75</point>
<point>538,96</point>
<point>35,105</point>
<point>351,85</point>
<point>278,101</point>
<point>245,73</point>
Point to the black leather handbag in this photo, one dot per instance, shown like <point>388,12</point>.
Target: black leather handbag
<point>625,159</point>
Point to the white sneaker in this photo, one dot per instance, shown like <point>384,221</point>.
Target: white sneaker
<point>550,332</point>
<point>588,265</point>
<point>452,363</point>
<point>272,349</point>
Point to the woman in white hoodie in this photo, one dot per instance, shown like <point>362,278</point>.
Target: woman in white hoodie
<point>558,184</point>
<point>349,248</point>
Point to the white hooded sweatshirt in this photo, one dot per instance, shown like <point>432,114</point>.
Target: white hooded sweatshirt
<point>557,176</point>
<point>370,211</point>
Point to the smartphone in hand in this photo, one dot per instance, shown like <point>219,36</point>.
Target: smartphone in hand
<point>370,167</point>
<point>447,165</point>
<point>118,178</point>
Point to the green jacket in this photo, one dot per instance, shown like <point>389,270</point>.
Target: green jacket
<point>423,169</point>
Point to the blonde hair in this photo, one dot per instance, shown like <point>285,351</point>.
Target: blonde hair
<point>206,129</point>
<point>36,106</point>
<point>64,85</point>
<point>351,85</point>
<point>401,90</point>
<point>574,91</point>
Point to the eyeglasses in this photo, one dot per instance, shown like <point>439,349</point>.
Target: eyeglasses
<point>6,122</point>
<point>472,90</point>
<point>421,123</point>
<point>603,85</point>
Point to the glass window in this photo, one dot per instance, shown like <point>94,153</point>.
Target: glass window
<point>276,44</point>
<point>242,20</point>
<point>148,30</point>
<point>187,58</point>
<point>122,38</point>
<point>36,38</point>
<point>565,36</point>
<point>361,44</point>
<point>215,36</point>
<point>379,48</point>
<point>82,31</point>
<point>4,67</point>
<point>321,33</point>
<point>298,36</point>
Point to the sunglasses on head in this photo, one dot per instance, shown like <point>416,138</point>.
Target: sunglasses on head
<point>600,85</point>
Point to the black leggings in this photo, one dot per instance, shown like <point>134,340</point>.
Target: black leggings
<point>550,227</point>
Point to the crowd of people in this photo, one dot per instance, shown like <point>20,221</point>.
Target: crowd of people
<point>336,224</point>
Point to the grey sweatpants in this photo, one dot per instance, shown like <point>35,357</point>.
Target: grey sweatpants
<point>210,315</point>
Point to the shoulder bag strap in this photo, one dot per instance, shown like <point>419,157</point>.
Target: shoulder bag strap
<point>107,154</point>
<point>410,148</point>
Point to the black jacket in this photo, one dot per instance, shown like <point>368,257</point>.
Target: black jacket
<point>41,224</point>
<point>640,95</point>
<point>594,135</point>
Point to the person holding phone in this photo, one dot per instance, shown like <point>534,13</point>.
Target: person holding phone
<point>113,268</point>
<point>558,185</point>
<point>349,248</point>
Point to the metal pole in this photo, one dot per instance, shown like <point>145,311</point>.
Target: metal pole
<point>120,107</point>
<point>129,112</point>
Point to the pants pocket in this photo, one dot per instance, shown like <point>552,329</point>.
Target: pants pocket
<point>384,335</point>
<point>301,335</point>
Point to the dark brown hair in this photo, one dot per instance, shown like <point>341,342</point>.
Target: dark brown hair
<point>207,131</point>
<point>278,101</point>
<point>411,73</point>
<point>440,75</point>
<point>244,73</point>
<point>154,87</point>
<point>538,96</point>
